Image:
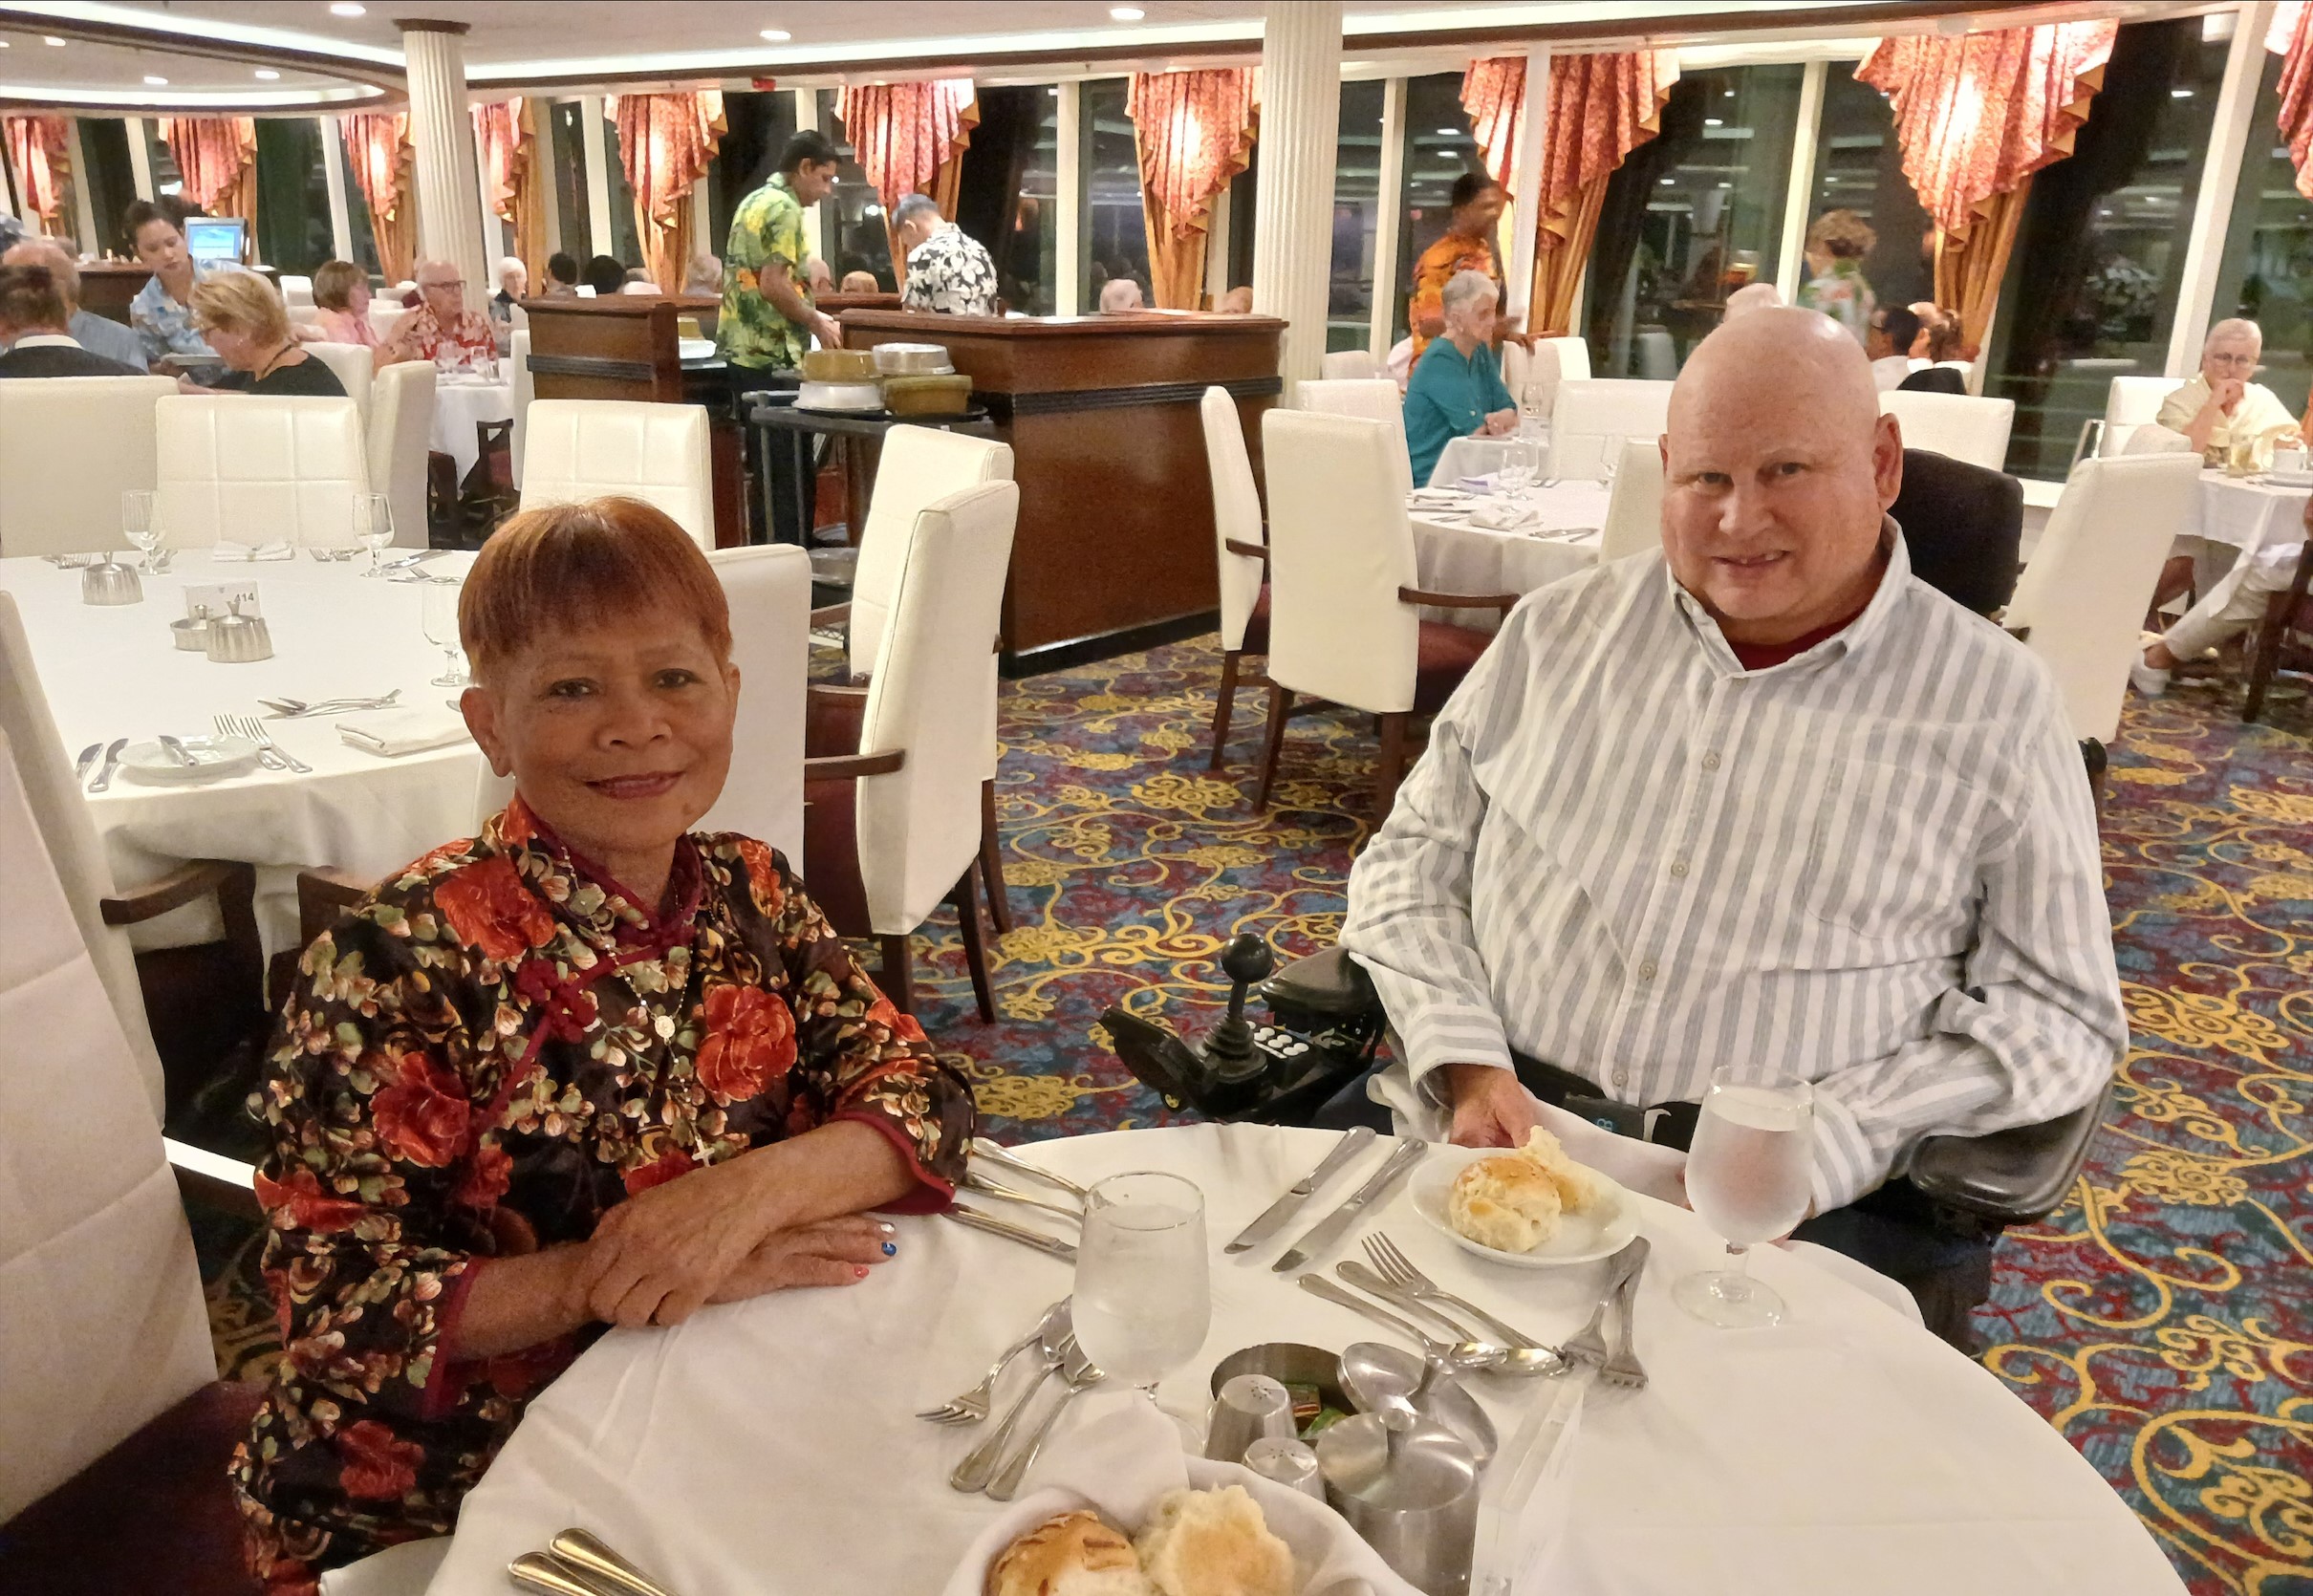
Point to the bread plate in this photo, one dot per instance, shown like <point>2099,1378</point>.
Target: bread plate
<point>2290,479</point>
<point>1581,1239</point>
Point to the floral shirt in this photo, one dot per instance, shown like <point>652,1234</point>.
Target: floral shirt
<point>165,323</point>
<point>951,273</point>
<point>749,330</point>
<point>1435,269</point>
<point>419,335</point>
<point>491,1051</point>
<point>1843,293</point>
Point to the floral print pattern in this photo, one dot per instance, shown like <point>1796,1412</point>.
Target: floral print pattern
<point>484,1058</point>
<point>749,330</point>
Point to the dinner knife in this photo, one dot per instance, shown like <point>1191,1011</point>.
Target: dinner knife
<point>1330,1229</point>
<point>112,762</point>
<point>1012,1232</point>
<point>975,1181</point>
<point>86,761</point>
<point>176,750</point>
<point>1273,1218</point>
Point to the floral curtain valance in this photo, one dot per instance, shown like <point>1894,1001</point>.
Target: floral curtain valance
<point>2291,37</point>
<point>905,132</point>
<point>665,142</point>
<point>36,148</point>
<point>1602,107</point>
<point>379,147</point>
<point>213,154</point>
<point>1975,116</point>
<point>1195,132</point>
<point>498,136</point>
<point>1494,92</point>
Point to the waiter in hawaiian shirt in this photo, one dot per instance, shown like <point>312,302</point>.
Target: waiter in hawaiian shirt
<point>767,318</point>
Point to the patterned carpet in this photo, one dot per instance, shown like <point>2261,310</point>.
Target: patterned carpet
<point>2162,1319</point>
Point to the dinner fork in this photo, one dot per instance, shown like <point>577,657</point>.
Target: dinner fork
<point>1622,1367</point>
<point>980,1463</point>
<point>1081,1373</point>
<point>269,751</point>
<point>1587,1345</point>
<point>1393,1265</point>
<point>972,1406</point>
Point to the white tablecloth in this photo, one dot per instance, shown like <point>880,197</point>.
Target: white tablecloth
<point>1468,457</point>
<point>1455,556</point>
<point>767,1446</point>
<point>2246,515</point>
<point>459,403</point>
<point>114,672</point>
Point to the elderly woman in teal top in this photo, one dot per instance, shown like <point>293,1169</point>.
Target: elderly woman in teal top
<point>1456,390</point>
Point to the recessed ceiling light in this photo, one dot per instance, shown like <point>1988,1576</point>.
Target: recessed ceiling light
<point>1714,122</point>
<point>777,36</point>
<point>346,8</point>
<point>155,82</point>
<point>1449,133</point>
<point>51,38</point>
<point>268,74</point>
<point>2180,94</point>
<point>1126,13</point>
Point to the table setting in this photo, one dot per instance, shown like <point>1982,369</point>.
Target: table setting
<point>1509,531</point>
<point>464,397</point>
<point>1273,1343</point>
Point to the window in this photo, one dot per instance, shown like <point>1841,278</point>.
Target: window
<point>361,233</point>
<point>2090,290</point>
<point>1115,244</point>
<point>623,242</point>
<point>1859,168</point>
<point>112,182</point>
<point>1437,149</point>
<point>1692,214</point>
<point>756,130</point>
<point>1007,195</point>
<point>1349,311</point>
<point>2266,272</point>
<point>572,219</point>
<point>293,195</point>
<point>853,234</point>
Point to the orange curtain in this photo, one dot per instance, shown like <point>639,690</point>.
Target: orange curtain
<point>217,160</point>
<point>666,142</point>
<point>1976,116</point>
<point>910,139</point>
<point>1494,92</point>
<point>380,148</point>
<point>35,147</point>
<point>507,134</point>
<point>2291,36</point>
<point>1193,132</point>
<point>1601,108</point>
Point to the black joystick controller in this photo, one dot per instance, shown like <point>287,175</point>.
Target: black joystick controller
<point>1229,1052</point>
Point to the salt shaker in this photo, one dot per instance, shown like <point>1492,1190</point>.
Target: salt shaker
<point>1286,1461</point>
<point>1248,1408</point>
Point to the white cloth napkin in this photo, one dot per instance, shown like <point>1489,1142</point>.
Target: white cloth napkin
<point>1504,515</point>
<point>1116,1453</point>
<point>280,548</point>
<point>395,732</point>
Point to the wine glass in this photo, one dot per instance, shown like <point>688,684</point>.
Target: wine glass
<point>1518,465</point>
<point>1143,1300</point>
<point>373,528</point>
<point>140,521</point>
<point>1748,1176</point>
<point>442,629</point>
<point>1610,458</point>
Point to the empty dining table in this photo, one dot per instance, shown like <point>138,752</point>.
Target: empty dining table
<point>1456,553</point>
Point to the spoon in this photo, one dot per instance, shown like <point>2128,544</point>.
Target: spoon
<point>1455,1354</point>
<point>1518,1361</point>
<point>1053,1337</point>
<point>1080,1374</point>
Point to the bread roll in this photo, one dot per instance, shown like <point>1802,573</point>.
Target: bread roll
<point>1507,1203</point>
<point>1578,1188</point>
<point>1214,1543</point>
<point>1073,1555</point>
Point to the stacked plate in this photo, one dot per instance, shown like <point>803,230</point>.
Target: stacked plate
<point>912,360</point>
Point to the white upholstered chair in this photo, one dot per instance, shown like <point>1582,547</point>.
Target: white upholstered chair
<point>401,437</point>
<point>70,446</point>
<point>525,387</point>
<point>1959,425</point>
<point>295,291</point>
<point>2081,602</point>
<point>1343,589</point>
<point>586,448</point>
<point>384,310</point>
<point>2131,403</point>
<point>1634,504</point>
<point>355,366</point>
<point>2151,437</point>
<point>1588,411</point>
<point>769,592</point>
<point>1244,594</point>
<point>1573,358</point>
<point>253,468</point>
<point>1340,364</point>
<point>914,833</point>
<point>1374,398</point>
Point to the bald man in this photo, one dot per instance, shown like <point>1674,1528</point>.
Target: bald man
<point>1762,800</point>
<point>114,340</point>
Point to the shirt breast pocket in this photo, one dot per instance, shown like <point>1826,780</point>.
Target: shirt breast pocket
<point>1891,854</point>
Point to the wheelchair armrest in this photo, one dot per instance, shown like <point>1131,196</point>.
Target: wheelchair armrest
<point>2012,1176</point>
<point>1331,985</point>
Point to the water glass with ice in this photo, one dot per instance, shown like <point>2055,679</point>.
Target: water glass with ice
<point>1749,1179</point>
<point>1143,1299</point>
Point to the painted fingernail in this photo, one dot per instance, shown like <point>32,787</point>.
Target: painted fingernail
<point>890,1250</point>
<point>889,1229</point>
<point>859,1271</point>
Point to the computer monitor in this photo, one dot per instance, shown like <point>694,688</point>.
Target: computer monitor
<point>216,238</point>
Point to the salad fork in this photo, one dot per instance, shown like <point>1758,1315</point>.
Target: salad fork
<point>1622,1367</point>
<point>1057,1341</point>
<point>972,1406</point>
<point>270,751</point>
<point>1393,1266</point>
<point>1081,1373</point>
<point>1587,1345</point>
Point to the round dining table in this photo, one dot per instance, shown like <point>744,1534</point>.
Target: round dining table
<point>770,1447</point>
<point>1454,553</point>
<point>462,400</point>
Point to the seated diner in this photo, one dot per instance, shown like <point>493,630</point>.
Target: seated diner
<point>241,316</point>
<point>1457,389</point>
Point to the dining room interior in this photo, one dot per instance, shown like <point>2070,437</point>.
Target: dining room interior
<point>1320,797</point>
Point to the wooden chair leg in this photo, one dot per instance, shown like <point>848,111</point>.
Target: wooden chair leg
<point>991,861</point>
<point>898,977</point>
<point>2265,654</point>
<point>966,898</point>
<point>1391,766</point>
<point>1281,708</point>
<point>1223,705</point>
<point>2177,578</point>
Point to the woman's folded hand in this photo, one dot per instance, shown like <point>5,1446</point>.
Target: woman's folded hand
<point>662,1255</point>
<point>830,1252</point>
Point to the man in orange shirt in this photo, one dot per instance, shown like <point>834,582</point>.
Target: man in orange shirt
<point>1468,246</point>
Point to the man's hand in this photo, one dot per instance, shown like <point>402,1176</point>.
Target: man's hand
<point>1501,423</point>
<point>826,329</point>
<point>1491,1109</point>
<point>662,1255</point>
<point>832,1252</point>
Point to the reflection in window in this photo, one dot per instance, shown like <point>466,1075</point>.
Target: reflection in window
<point>361,234</point>
<point>1691,215</point>
<point>2090,289</point>
<point>756,130</point>
<point>1114,241</point>
<point>293,195</point>
<point>112,183</point>
<point>1349,311</point>
<point>1859,168</point>
<point>1007,196</point>
<point>571,215</point>
<point>2266,272</point>
<point>624,243</point>
<point>852,233</point>
<point>1437,149</point>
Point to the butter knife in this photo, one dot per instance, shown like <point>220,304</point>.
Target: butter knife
<point>1331,1229</point>
<point>176,750</point>
<point>1273,1218</point>
<point>975,1181</point>
<point>603,1567</point>
<point>112,762</point>
<point>86,762</point>
<point>1012,1232</point>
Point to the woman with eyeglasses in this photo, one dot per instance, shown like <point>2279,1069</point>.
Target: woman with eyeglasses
<point>2220,407</point>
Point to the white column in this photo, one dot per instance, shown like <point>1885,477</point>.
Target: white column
<point>2229,135</point>
<point>1067,228</point>
<point>333,173</point>
<point>493,230</point>
<point>1388,216</point>
<point>1217,246</point>
<point>1300,126</point>
<point>449,201</point>
<point>1526,185</point>
<point>598,157</point>
<point>1798,198</point>
<point>140,156</point>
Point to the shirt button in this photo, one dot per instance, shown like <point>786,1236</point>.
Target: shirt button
<point>1619,1077</point>
<point>1646,971</point>
<point>1710,760</point>
<point>1679,868</point>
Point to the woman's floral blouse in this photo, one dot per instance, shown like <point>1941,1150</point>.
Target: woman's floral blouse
<point>487,1054</point>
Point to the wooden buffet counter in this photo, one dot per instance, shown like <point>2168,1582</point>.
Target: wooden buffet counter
<point>1114,551</point>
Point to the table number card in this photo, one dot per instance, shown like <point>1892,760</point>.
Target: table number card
<point>217,599</point>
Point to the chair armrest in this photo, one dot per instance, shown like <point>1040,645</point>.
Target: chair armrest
<point>1329,983</point>
<point>845,768</point>
<point>323,896</point>
<point>187,883</point>
<point>2012,1176</point>
<point>211,1180</point>
<point>835,693</point>
<point>831,614</point>
<point>1502,601</point>
<point>1252,550</point>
